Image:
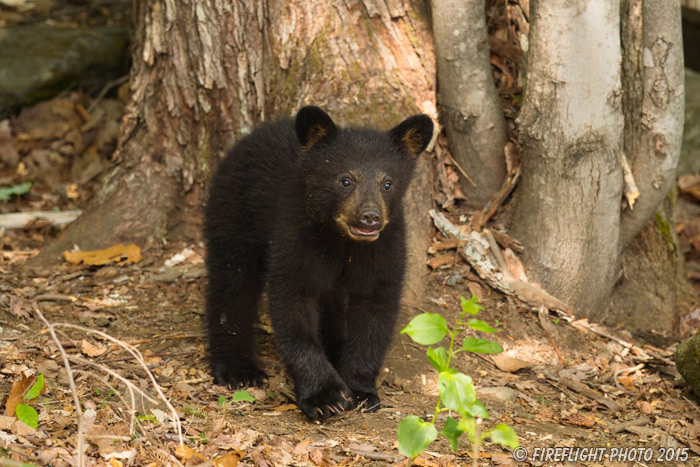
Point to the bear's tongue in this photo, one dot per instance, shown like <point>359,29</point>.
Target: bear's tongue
<point>367,233</point>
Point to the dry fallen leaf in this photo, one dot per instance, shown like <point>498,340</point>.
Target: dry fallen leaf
<point>189,455</point>
<point>690,184</point>
<point>18,308</point>
<point>19,389</point>
<point>92,350</point>
<point>285,408</point>
<point>110,440</point>
<point>229,459</point>
<point>117,253</point>
<point>628,382</point>
<point>578,420</point>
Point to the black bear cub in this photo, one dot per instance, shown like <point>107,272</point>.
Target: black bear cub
<point>313,212</point>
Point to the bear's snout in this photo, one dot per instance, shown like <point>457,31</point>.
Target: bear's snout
<point>370,220</point>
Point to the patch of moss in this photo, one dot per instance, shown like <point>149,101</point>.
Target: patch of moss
<point>687,360</point>
<point>664,229</point>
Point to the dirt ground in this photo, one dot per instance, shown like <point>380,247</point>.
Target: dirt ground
<point>598,392</point>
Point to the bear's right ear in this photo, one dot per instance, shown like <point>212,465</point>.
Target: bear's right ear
<point>413,134</point>
<point>313,125</point>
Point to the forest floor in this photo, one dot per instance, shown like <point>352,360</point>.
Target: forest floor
<point>565,387</point>
<point>558,384</point>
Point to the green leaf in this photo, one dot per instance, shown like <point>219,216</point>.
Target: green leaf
<point>438,358</point>
<point>504,435</point>
<point>426,328</point>
<point>27,415</point>
<point>222,401</point>
<point>8,192</point>
<point>144,417</point>
<point>472,344</point>
<point>456,390</point>
<point>452,432</point>
<point>471,307</point>
<point>478,409</point>
<point>414,435</point>
<point>242,395</point>
<point>480,325</point>
<point>36,388</point>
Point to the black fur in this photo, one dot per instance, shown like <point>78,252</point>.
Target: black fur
<point>332,256</point>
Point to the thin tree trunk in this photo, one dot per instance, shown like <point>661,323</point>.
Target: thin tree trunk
<point>655,82</point>
<point>471,111</point>
<point>652,288</point>
<point>205,72</point>
<point>568,204</point>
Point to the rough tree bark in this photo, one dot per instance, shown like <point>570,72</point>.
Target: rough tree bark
<point>204,72</point>
<point>568,202</point>
<point>469,105</point>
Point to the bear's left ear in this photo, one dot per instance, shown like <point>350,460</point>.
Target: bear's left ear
<point>313,126</point>
<point>413,134</point>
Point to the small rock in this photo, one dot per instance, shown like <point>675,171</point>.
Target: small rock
<point>510,364</point>
<point>500,393</point>
<point>106,273</point>
<point>47,366</point>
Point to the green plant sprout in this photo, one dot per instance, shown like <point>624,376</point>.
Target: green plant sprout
<point>456,390</point>
<point>8,192</point>
<point>238,396</point>
<point>25,412</point>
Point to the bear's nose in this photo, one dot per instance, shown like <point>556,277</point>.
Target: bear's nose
<point>369,218</point>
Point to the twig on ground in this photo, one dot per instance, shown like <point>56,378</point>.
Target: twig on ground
<point>53,297</point>
<point>480,218</point>
<point>374,456</point>
<point>479,254</point>
<point>131,357</point>
<point>542,315</point>
<point>618,427</point>
<point>461,170</point>
<point>18,220</point>
<point>590,393</point>
<point>118,393</point>
<point>71,382</point>
<point>137,355</point>
<point>105,90</point>
<point>641,354</point>
<point>133,389</point>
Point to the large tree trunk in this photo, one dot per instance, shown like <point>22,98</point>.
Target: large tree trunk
<point>568,205</point>
<point>471,111</point>
<point>206,72</point>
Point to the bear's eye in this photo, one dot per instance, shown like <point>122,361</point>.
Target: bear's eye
<point>387,186</point>
<point>345,183</point>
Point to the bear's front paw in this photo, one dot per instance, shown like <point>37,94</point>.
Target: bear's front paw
<point>325,402</point>
<point>367,401</point>
<point>236,376</point>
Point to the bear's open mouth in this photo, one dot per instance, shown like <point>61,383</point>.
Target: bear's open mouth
<point>364,233</point>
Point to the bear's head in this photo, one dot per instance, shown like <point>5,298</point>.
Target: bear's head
<point>356,177</point>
